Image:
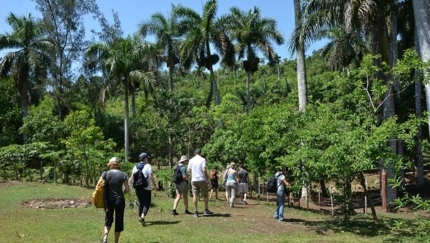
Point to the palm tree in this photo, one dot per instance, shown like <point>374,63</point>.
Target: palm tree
<point>27,45</point>
<point>166,33</point>
<point>253,33</point>
<point>422,23</point>
<point>118,61</point>
<point>367,16</point>
<point>200,31</point>
<point>297,45</point>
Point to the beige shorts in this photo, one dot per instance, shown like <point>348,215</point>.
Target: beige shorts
<point>182,188</point>
<point>200,186</point>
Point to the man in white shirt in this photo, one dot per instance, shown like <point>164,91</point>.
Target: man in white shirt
<point>199,181</point>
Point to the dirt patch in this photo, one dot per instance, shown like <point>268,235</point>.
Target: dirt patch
<point>51,203</point>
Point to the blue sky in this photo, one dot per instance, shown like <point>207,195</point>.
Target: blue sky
<point>132,12</point>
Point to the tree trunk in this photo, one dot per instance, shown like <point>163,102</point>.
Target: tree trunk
<point>393,47</point>
<point>23,89</point>
<point>301,62</point>
<point>171,67</point>
<point>248,95</point>
<point>133,102</point>
<point>422,23</point>
<point>418,112</point>
<point>366,192</point>
<point>126,122</point>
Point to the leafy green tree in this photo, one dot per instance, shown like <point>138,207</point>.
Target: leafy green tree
<point>253,33</point>
<point>11,118</point>
<point>63,24</point>
<point>85,140</point>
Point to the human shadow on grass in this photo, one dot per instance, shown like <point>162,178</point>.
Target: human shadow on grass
<point>225,215</point>
<point>361,227</point>
<point>162,222</point>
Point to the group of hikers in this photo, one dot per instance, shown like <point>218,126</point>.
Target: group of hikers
<point>118,182</point>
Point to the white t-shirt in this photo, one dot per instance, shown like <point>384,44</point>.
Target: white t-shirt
<point>147,169</point>
<point>196,166</point>
<point>280,183</point>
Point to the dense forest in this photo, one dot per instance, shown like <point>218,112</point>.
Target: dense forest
<point>69,104</point>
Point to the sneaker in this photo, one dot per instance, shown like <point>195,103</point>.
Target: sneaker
<point>207,213</point>
<point>174,212</point>
<point>142,221</point>
<point>196,214</point>
<point>245,202</point>
<point>187,212</point>
<point>104,241</point>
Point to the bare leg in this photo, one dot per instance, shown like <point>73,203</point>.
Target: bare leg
<point>195,199</point>
<point>206,199</point>
<point>175,203</point>
<point>106,231</point>
<point>117,236</point>
<point>185,196</point>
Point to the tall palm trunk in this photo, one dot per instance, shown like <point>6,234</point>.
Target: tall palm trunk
<point>133,102</point>
<point>23,90</point>
<point>126,122</point>
<point>213,81</point>
<point>419,137</point>
<point>171,69</point>
<point>301,61</point>
<point>248,96</point>
<point>422,23</point>
<point>380,42</point>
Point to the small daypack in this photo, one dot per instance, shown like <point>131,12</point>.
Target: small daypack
<point>177,176</point>
<point>272,184</point>
<point>140,181</point>
<point>98,196</point>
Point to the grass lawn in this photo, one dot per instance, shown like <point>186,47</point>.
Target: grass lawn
<point>22,220</point>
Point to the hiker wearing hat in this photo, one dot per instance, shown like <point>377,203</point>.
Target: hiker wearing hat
<point>114,201</point>
<point>182,186</point>
<point>144,194</point>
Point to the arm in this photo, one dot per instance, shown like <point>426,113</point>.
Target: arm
<point>151,176</point>
<point>286,183</point>
<point>130,181</point>
<point>237,177</point>
<point>127,188</point>
<point>206,174</point>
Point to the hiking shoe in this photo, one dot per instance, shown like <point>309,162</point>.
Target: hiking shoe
<point>142,221</point>
<point>207,213</point>
<point>196,214</point>
<point>187,212</point>
<point>174,212</point>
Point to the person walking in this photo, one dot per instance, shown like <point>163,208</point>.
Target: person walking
<point>214,182</point>
<point>199,181</point>
<point>224,180</point>
<point>280,194</point>
<point>243,184</point>
<point>231,183</point>
<point>144,195</point>
<point>114,197</point>
<point>182,187</point>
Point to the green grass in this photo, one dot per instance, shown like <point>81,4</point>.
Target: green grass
<point>251,223</point>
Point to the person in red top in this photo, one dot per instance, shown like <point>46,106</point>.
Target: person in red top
<point>214,182</point>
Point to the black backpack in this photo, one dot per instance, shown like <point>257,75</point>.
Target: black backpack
<point>177,176</point>
<point>272,184</point>
<point>140,181</point>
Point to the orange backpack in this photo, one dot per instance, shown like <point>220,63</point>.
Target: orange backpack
<point>99,194</point>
